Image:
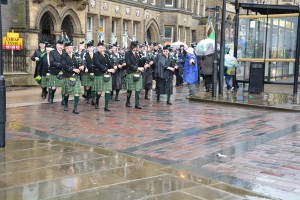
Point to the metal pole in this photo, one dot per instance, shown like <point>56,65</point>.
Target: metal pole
<point>296,71</point>
<point>215,66</point>
<point>236,35</point>
<point>222,49</point>
<point>2,92</point>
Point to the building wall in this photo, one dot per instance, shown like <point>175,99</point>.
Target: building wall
<point>141,18</point>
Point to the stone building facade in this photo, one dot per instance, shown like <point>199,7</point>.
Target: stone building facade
<point>163,21</point>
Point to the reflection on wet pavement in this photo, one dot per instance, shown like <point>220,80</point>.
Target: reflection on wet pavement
<point>260,147</point>
<point>58,170</point>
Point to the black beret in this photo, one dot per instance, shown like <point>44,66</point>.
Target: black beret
<point>90,43</point>
<point>166,47</point>
<point>68,43</point>
<point>60,42</point>
<point>82,42</point>
<point>48,45</point>
<point>101,43</point>
<point>133,44</point>
<point>42,41</point>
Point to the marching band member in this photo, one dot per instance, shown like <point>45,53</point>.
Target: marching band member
<point>164,72</point>
<point>117,79</point>
<point>103,80</point>
<point>37,57</point>
<point>133,79</point>
<point>44,70</point>
<point>55,69</point>
<point>71,77</point>
<point>87,79</point>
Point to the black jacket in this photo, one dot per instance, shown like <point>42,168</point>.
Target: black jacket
<point>45,65</point>
<point>131,62</point>
<point>101,64</point>
<point>55,62</point>
<point>68,65</point>
<point>38,53</point>
<point>88,62</point>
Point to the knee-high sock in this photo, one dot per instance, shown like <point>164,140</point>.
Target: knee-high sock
<point>137,98</point>
<point>128,96</point>
<point>107,97</point>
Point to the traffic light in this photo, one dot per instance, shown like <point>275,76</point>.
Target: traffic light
<point>4,2</point>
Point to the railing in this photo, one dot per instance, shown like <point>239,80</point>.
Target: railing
<point>14,61</point>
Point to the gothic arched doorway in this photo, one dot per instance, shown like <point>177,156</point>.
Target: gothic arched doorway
<point>67,27</point>
<point>152,32</point>
<point>46,28</point>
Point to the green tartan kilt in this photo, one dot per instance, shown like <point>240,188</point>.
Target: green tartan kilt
<point>68,89</point>
<point>54,82</point>
<point>86,80</point>
<point>100,85</point>
<point>134,86</point>
<point>44,82</point>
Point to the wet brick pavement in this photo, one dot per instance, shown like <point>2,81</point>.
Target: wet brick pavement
<point>262,147</point>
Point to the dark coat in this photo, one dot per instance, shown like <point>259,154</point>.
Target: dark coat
<point>55,62</point>
<point>38,53</point>
<point>118,76</point>
<point>131,62</point>
<point>101,64</point>
<point>164,77</point>
<point>68,65</point>
<point>88,62</point>
<point>45,66</point>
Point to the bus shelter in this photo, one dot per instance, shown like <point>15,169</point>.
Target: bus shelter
<point>268,34</point>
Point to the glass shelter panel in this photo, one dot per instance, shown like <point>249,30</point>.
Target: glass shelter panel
<point>270,39</point>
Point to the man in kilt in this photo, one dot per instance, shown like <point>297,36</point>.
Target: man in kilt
<point>148,73</point>
<point>44,70</point>
<point>134,80</point>
<point>103,79</point>
<point>87,78</point>
<point>37,57</point>
<point>71,77</point>
<point>55,69</point>
<point>117,79</point>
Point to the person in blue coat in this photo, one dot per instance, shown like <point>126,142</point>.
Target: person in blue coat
<point>190,71</point>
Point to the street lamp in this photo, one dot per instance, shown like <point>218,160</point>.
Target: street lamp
<point>2,89</point>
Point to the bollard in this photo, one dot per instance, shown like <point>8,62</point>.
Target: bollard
<point>2,111</point>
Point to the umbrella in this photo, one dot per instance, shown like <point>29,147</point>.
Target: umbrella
<point>176,45</point>
<point>205,47</point>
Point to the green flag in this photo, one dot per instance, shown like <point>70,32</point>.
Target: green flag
<point>212,35</point>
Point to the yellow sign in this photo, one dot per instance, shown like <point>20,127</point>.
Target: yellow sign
<point>101,29</point>
<point>12,43</point>
<point>13,35</point>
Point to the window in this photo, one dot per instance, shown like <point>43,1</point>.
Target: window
<point>168,34</point>
<point>124,37</point>
<point>185,35</point>
<point>113,31</point>
<point>89,28</point>
<point>134,30</point>
<point>101,32</point>
<point>198,7</point>
<point>184,4</point>
<point>169,3</point>
<point>179,33</point>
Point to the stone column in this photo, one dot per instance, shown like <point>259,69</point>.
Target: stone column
<point>108,27</point>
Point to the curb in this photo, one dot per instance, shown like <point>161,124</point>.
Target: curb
<point>245,105</point>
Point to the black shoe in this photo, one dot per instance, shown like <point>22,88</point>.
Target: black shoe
<point>93,102</point>
<point>138,107</point>
<point>66,108</point>
<point>116,99</point>
<point>169,103</point>
<point>106,110</point>
<point>75,111</point>
<point>128,105</point>
<point>84,96</point>
<point>96,106</point>
<point>147,98</point>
